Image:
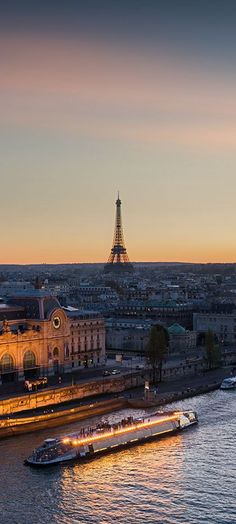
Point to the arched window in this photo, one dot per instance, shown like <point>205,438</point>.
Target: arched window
<point>29,360</point>
<point>6,363</point>
<point>55,353</point>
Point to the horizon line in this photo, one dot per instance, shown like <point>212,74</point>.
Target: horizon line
<point>104,263</point>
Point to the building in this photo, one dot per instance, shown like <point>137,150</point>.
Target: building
<point>9,288</point>
<point>181,339</point>
<point>223,326</point>
<point>165,313</point>
<point>87,341</point>
<point>39,337</point>
<point>127,335</point>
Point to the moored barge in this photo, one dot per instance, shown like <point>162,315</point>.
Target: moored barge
<point>103,438</point>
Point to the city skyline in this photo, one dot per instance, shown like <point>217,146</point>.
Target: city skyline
<point>138,97</point>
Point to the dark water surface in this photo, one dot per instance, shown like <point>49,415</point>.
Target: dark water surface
<point>189,478</point>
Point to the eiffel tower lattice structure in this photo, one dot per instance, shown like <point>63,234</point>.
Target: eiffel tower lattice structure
<point>118,259</point>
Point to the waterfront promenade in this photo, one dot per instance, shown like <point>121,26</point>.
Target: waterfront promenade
<point>175,367</point>
<point>67,398</point>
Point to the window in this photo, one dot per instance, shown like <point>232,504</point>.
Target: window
<point>66,351</point>
<point>6,363</point>
<point>29,360</point>
<point>55,353</point>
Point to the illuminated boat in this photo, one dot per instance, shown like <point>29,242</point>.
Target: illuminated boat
<point>105,437</point>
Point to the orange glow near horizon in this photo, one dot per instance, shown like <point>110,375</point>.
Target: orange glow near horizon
<point>221,259</point>
<point>216,257</point>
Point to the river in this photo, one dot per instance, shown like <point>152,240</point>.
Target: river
<point>189,478</point>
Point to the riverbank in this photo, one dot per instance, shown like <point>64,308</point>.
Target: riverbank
<point>200,384</point>
<point>18,426</point>
<point>167,398</point>
<point>50,398</point>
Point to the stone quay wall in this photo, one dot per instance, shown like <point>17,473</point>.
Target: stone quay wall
<point>55,396</point>
<point>10,427</point>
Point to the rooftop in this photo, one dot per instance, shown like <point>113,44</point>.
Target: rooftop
<point>81,313</point>
<point>176,329</point>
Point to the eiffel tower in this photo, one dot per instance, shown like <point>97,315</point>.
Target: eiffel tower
<point>118,260</point>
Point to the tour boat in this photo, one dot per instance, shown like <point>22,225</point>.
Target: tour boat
<point>104,438</point>
<point>229,383</point>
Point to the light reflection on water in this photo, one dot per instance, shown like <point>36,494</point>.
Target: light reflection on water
<point>185,478</point>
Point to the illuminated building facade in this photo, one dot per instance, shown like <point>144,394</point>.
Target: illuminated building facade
<point>39,337</point>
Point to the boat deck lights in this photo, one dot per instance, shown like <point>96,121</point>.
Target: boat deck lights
<point>87,440</point>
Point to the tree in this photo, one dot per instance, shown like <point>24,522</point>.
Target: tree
<point>156,350</point>
<point>213,353</point>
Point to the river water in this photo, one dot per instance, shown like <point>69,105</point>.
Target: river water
<point>189,478</point>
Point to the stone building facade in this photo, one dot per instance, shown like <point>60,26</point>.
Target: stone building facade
<point>223,326</point>
<point>181,339</point>
<point>46,339</point>
<point>132,335</point>
<point>87,338</point>
<point>127,335</point>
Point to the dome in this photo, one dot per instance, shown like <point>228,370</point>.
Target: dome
<point>176,329</point>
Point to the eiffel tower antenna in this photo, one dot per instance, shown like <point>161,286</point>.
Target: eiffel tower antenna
<point>118,259</point>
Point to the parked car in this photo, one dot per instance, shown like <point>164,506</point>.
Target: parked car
<point>106,373</point>
<point>33,385</point>
<point>115,372</point>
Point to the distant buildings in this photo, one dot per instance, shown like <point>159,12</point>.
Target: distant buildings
<point>10,287</point>
<point>166,313</point>
<point>131,336</point>
<point>168,294</point>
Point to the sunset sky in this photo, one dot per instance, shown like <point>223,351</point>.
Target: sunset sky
<point>98,96</point>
